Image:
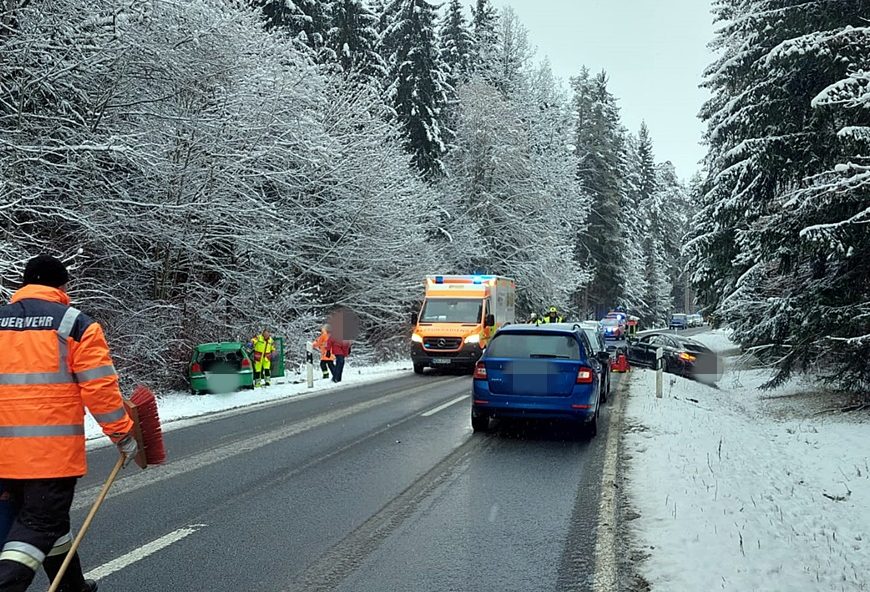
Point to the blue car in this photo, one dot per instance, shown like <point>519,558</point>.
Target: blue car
<point>679,321</point>
<point>546,372</point>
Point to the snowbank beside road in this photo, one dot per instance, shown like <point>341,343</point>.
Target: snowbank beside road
<point>179,405</point>
<point>742,490</point>
<point>717,340</point>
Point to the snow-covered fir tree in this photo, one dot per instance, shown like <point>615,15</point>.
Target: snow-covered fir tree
<point>484,26</point>
<point>598,145</point>
<point>354,40</point>
<point>457,43</point>
<point>777,248</point>
<point>417,91</point>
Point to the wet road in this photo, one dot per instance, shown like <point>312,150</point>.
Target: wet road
<point>378,487</point>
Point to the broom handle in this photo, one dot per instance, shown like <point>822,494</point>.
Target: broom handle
<point>87,523</point>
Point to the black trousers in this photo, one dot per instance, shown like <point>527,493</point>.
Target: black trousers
<point>339,368</point>
<point>327,367</point>
<point>40,534</point>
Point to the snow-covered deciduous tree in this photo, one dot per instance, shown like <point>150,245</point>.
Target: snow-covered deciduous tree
<point>213,180</point>
<point>511,178</point>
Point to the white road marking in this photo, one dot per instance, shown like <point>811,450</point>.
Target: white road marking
<point>605,540</point>
<point>432,412</point>
<point>142,552</point>
<point>219,454</point>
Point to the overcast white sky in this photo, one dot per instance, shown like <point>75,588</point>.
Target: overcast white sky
<point>654,50</point>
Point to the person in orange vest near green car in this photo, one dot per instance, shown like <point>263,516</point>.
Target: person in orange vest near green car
<point>327,358</point>
<point>55,363</point>
<point>264,350</point>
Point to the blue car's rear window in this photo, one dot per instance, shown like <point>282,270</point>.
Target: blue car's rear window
<point>533,345</point>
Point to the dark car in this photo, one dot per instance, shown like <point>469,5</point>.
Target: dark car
<point>545,372</point>
<point>680,355</point>
<point>595,335</point>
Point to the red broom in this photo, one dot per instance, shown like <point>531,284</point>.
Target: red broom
<point>142,409</point>
<point>149,434</point>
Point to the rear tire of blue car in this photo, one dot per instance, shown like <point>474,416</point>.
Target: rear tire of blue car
<point>590,429</point>
<point>480,423</point>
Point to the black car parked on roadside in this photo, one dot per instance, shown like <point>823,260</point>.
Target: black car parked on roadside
<point>680,355</point>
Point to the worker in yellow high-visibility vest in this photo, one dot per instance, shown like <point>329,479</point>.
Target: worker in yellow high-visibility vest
<point>264,349</point>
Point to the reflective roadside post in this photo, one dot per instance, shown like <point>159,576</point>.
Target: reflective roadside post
<point>659,372</point>
<point>309,364</point>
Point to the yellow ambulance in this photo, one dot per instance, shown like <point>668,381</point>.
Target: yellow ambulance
<point>457,318</point>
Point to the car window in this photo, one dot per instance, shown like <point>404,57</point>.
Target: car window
<point>593,338</point>
<point>534,345</point>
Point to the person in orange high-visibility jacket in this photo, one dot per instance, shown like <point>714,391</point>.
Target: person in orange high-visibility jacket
<point>54,363</point>
<point>327,358</point>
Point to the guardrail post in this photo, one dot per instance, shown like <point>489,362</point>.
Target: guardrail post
<point>309,364</point>
<point>659,372</point>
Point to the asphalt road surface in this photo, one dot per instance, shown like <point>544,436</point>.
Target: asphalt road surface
<point>379,487</point>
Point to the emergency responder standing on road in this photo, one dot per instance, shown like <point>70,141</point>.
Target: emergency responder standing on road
<point>553,316</point>
<point>264,348</point>
<point>54,363</point>
<point>533,319</point>
<point>327,358</point>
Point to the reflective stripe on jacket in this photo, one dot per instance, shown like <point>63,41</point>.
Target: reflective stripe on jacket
<point>263,350</point>
<point>55,362</point>
<point>320,344</point>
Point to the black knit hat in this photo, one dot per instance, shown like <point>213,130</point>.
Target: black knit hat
<point>45,270</point>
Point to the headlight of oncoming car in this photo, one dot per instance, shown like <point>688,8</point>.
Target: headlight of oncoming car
<point>473,339</point>
<point>416,338</point>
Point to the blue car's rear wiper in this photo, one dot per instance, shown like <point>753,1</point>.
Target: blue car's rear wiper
<point>550,356</point>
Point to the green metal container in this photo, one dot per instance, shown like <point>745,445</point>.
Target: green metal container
<point>278,370</point>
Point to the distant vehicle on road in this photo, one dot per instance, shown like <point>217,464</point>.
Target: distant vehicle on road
<point>681,355</point>
<point>695,320</point>
<point>679,321</point>
<point>542,372</point>
<point>613,328</point>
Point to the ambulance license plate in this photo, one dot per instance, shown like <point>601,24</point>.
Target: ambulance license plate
<point>441,361</point>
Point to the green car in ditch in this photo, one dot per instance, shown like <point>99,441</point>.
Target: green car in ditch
<point>222,367</point>
<point>227,367</point>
